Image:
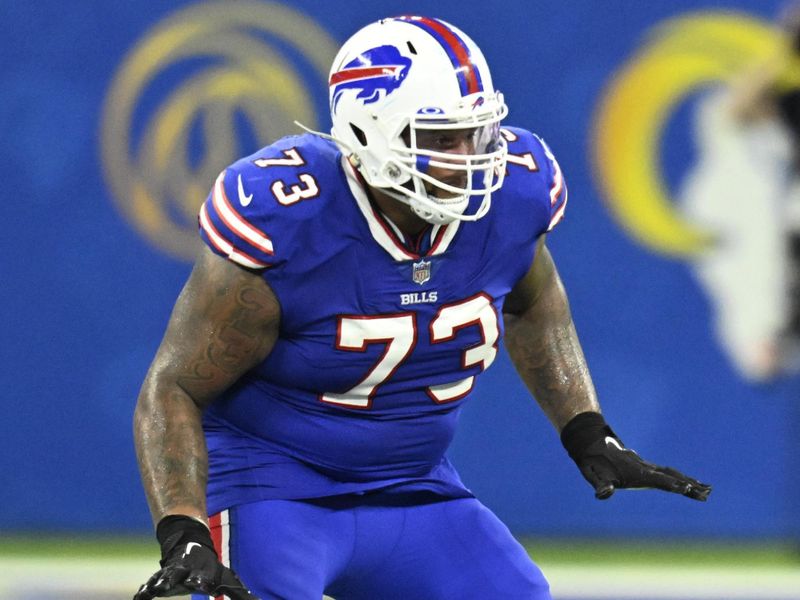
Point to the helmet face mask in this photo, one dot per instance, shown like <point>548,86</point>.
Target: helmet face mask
<point>400,83</point>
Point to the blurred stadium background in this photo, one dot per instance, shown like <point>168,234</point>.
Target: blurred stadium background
<point>115,118</point>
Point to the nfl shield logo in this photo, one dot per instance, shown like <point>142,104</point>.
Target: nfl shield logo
<point>422,271</point>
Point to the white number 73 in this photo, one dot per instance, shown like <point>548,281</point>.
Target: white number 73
<point>399,333</point>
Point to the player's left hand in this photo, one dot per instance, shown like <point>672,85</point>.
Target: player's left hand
<point>608,465</point>
<point>190,565</point>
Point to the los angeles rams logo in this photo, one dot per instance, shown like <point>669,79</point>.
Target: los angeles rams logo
<point>682,56</point>
<point>205,86</point>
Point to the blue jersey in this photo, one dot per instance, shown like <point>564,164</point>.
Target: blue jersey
<point>381,337</point>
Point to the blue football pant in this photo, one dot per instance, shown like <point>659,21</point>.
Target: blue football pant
<point>454,549</point>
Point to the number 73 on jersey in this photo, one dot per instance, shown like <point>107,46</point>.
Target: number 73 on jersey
<point>399,333</point>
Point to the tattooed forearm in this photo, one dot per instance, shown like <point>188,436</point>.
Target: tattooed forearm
<point>543,344</point>
<point>224,323</point>
<point>549,359</point>
<point>171,452</point>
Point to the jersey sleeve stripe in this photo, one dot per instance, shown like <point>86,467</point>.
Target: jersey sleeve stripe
<point>236,223</point>
<point>559,213</point>
<point>558,183</point>
<point>558,190</point>
<point>225,247</point>
<point>558,177</point>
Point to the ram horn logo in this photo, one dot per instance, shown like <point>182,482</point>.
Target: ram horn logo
<point>183,105</point>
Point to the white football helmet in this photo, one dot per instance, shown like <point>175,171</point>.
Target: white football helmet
<point>399,76</point>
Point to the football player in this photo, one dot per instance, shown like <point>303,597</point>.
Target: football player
<point>291,432</point>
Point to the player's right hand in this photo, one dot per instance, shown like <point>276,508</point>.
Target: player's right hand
<point>189,564</point>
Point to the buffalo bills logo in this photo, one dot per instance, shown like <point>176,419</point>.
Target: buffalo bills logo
<point>374,74</point>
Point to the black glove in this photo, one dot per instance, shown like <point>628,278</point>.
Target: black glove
<point>607,464</point>
<point>190,564</point>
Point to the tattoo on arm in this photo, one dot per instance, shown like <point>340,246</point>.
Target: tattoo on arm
<point>171,452</point>
<point>238,341</point>
<point>225,322</point>
<point>543,344</point>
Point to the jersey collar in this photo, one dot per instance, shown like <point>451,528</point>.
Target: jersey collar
<point>386,233</point>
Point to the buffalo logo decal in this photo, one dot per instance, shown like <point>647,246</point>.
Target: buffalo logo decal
<point>375,74</point>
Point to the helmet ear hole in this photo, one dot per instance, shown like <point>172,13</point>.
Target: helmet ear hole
<point>360,135</point>
<point>405,135</point>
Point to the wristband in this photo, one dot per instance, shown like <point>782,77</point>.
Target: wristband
<point>582,431</point>
<point>180,529</point>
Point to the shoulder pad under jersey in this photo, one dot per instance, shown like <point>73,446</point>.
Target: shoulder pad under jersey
<point>534,171</point>
<point>257,202</point>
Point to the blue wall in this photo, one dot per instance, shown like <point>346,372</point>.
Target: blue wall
<point>86,289</point>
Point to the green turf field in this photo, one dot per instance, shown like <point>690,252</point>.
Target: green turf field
<point>562,550</point>
<point>111,569</point>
